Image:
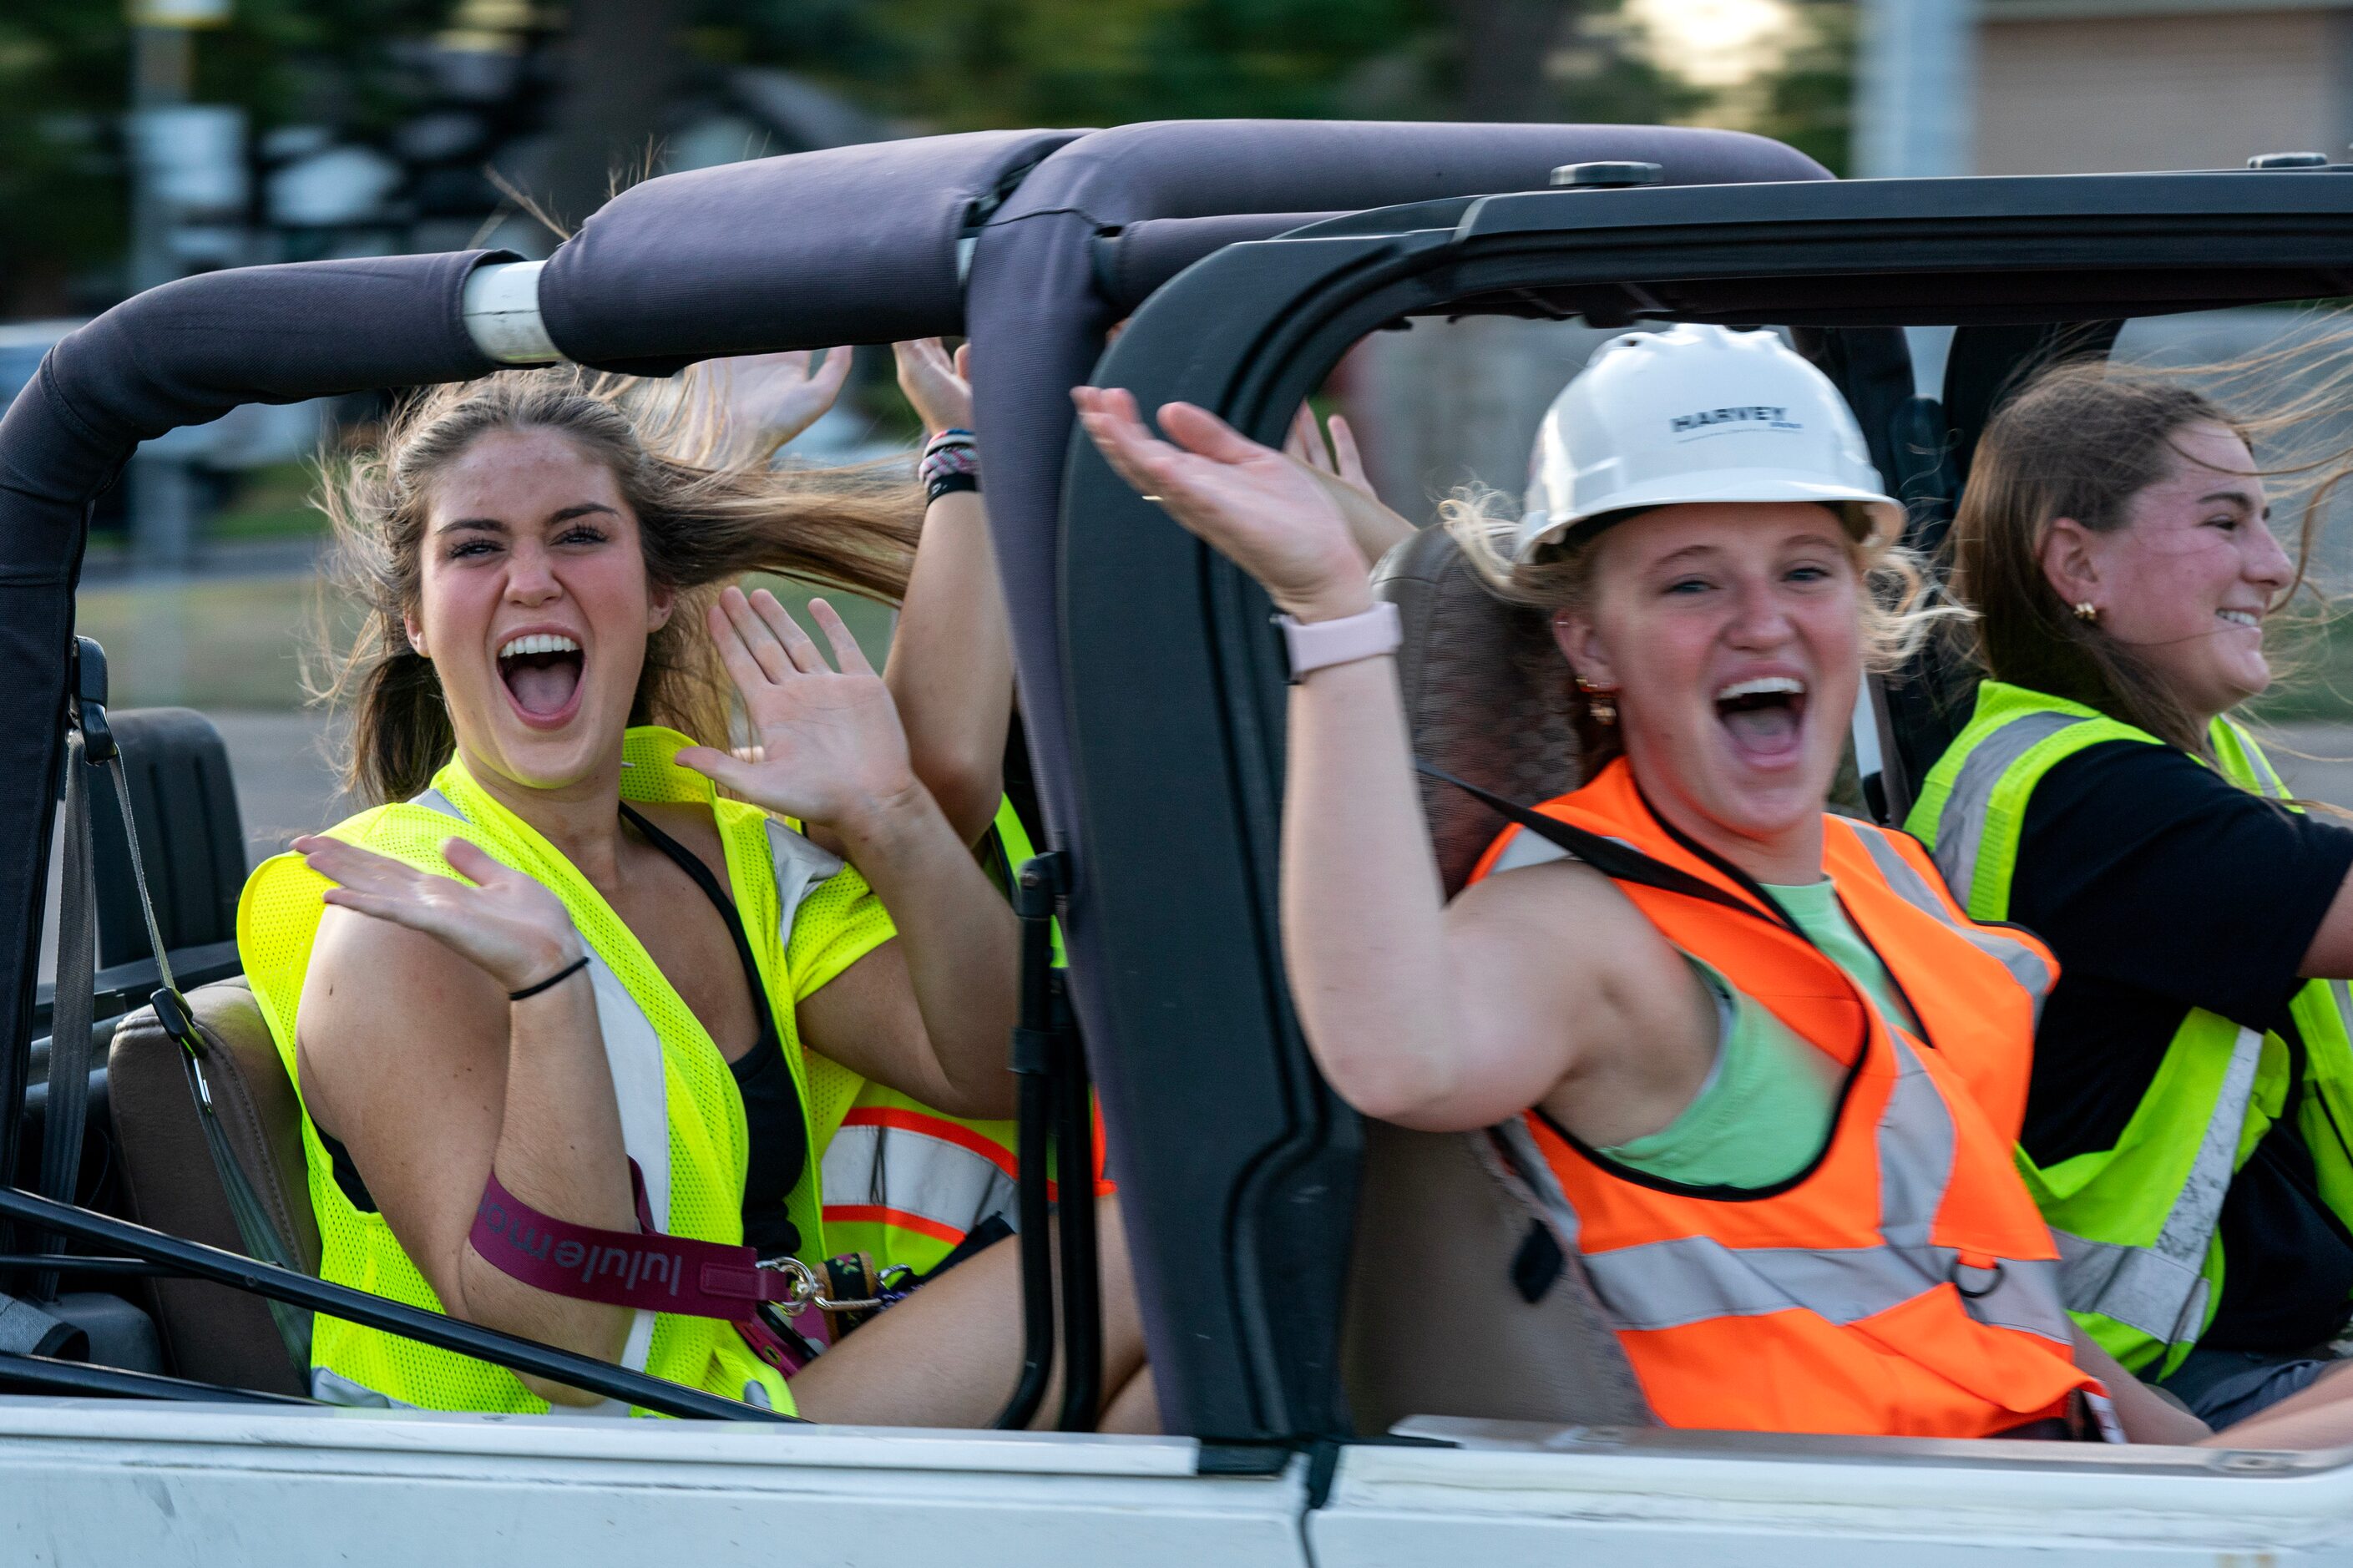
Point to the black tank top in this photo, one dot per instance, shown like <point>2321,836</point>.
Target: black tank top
<point>777,1136</point>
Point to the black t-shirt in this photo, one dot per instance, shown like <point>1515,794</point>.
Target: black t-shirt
<point>2162,886</point>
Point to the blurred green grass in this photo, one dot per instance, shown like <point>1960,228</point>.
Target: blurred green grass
<point>240,643</point>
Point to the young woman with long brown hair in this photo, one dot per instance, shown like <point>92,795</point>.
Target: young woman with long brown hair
<point>2186,1130</point>
<point>558,973</point>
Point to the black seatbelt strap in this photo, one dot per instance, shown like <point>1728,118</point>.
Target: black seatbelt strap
<point>93,742</point>
<point>1618,862</point>
<point>68,1110</point>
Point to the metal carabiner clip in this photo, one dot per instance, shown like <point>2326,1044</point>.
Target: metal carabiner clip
<point>808,1290</point>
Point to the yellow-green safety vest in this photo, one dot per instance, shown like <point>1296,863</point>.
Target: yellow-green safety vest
<point>2138,1224</point>
<point>809,917</point>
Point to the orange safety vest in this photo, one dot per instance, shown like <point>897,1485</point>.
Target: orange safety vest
<point>1903,1285</point>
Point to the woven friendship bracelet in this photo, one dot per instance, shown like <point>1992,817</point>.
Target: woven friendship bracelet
<point>950,466</point>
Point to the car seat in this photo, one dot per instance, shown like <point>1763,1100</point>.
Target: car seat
<point>192,844</point>
<point>1461,1299</point>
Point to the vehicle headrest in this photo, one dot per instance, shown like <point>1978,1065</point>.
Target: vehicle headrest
<point>1488,697</point>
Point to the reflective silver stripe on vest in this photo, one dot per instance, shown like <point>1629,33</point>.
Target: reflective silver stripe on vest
<point>1960,826</point>
<point>2160,1290</point>
<point>1691,1279</point>
<point>801,867</point>
<point>2025,965</point>
<point>1528,848</point>
<point>907,1171</point>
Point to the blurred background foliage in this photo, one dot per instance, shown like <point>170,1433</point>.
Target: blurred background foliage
<point>594,77</point>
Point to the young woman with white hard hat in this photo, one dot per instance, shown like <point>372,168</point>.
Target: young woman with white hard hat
<point>2187,1134</point>
<point>1771,1071</point>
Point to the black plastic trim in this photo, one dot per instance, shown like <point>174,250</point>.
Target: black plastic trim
<point>199,1261</point>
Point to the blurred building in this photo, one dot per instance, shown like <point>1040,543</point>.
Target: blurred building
<point>2067,86</point>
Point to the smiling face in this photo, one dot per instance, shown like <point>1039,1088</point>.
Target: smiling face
<point>1732,636</point>
<point>2187,581</point>
<point>534,607</point>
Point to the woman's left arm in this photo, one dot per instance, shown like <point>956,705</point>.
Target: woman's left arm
<point>928,1013</point>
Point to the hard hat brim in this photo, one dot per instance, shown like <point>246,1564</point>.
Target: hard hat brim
<point>1870,516</point>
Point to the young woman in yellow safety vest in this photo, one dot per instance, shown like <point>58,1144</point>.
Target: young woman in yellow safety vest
<point>560,970</point>
<point>2186,1134</point>
<point>1760,1072</point>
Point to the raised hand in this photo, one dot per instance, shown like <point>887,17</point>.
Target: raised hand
<point>1276,517</point>
<point>938,385</point>
<point>495,917</point>
<point>769,399</point>
<point>1376,529</point>
<point>1340,460</point>
<point>829,746</point>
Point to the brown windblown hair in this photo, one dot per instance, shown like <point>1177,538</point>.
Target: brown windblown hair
<point>705,519</point>
<point>2079,441</point>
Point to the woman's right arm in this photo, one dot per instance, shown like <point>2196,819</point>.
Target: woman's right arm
<point>1435,1017</point>
<point>412,1055</point>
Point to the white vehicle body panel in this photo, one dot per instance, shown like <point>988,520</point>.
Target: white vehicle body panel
<point>1669,1500</point>
<point>106,1481</point>
<point>100,1481</point>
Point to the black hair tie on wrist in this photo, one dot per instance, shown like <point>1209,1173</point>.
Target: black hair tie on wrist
<point>552,982</point>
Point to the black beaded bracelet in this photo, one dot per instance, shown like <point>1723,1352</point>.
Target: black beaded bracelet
<point>552,982</point>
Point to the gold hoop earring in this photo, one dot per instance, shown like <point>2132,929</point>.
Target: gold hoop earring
<point>2086,611</point>
<point>1598,701</point>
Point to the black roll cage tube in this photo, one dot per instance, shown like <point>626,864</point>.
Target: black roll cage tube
<point>197,1261</point>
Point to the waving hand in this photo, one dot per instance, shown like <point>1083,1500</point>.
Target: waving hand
<point>829,746</point>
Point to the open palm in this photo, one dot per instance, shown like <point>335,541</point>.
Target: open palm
<point>779,394</point>
<point>829,746</point>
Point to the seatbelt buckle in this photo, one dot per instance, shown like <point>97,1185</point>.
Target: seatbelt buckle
<point>90,700</point>
<point>172,1012</point>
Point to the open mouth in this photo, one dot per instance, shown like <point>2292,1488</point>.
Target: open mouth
<point>2246,619</point>
<point>1764,717</point>
<point>542,671</point>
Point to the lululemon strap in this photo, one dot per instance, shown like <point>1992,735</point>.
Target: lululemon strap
<point>645,1268</point>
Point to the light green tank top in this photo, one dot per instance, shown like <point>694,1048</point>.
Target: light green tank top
<point>1765,1111</point>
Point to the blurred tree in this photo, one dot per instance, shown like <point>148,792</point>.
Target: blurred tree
<point>62,63</point>
<point>1808,101</point>
<point>965,64</point>
<point>359,70</point>
<point>64,76</point>
<point>620,64</point>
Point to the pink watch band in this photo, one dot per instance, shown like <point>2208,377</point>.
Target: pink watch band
<point>1314,644</point>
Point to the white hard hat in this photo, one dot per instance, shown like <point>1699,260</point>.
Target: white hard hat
<point>1698,414</point>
